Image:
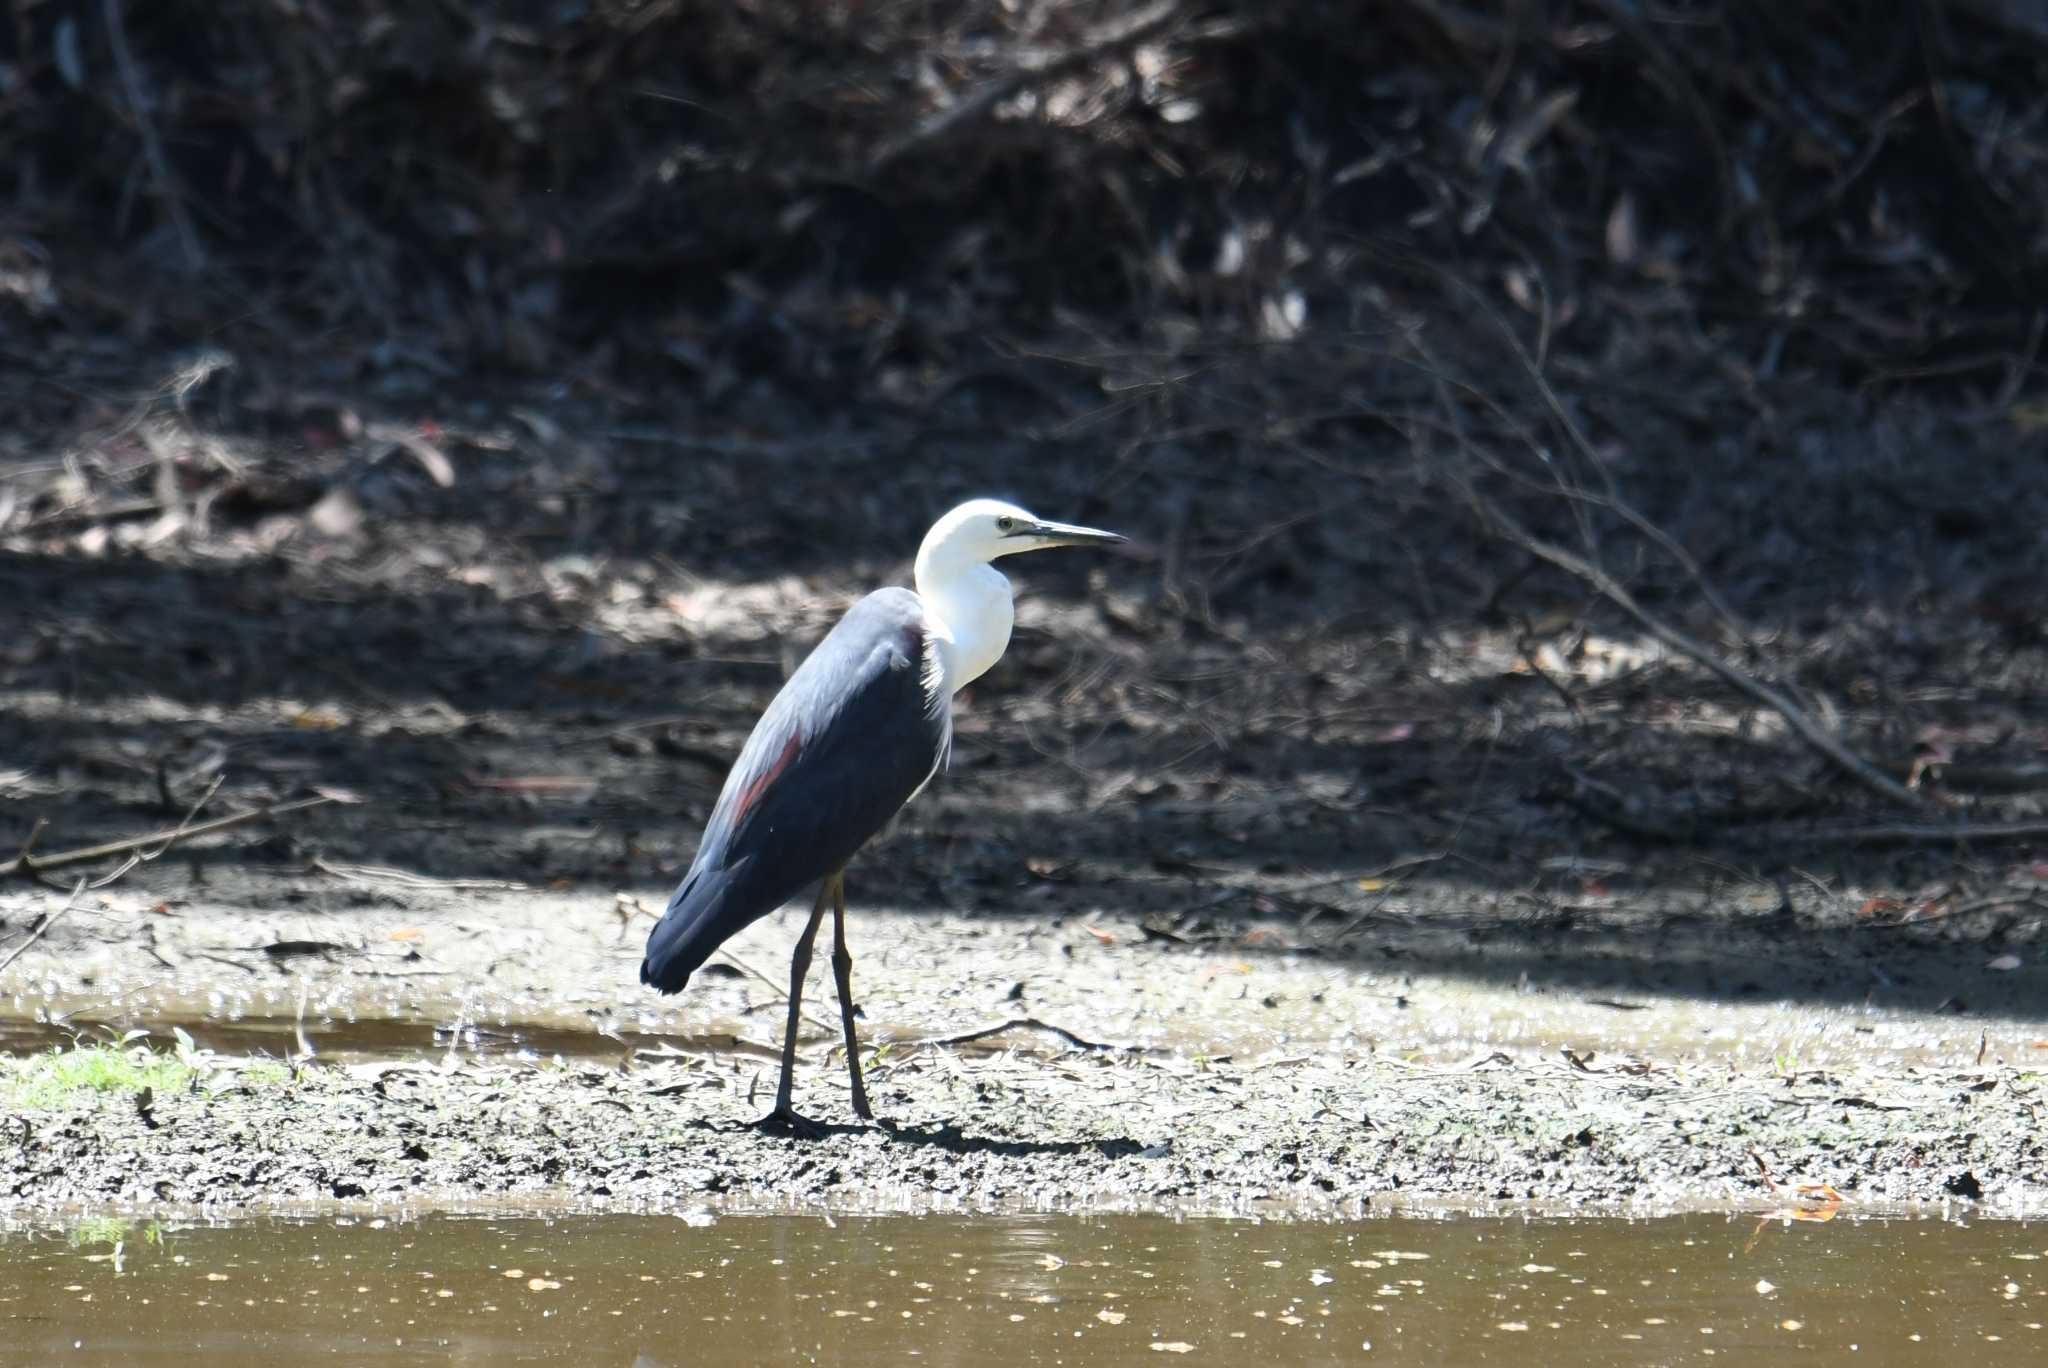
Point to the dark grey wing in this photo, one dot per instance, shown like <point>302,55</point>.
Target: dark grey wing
<point>845,744</point>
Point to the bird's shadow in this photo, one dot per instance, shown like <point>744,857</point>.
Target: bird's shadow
<point>944,1135</point>
<point>810,1129</point>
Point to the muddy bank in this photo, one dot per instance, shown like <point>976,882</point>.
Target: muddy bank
<point>1073,1131</point>
<point>493,1050</point>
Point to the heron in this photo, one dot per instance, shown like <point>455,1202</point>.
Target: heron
<point>861,727</point>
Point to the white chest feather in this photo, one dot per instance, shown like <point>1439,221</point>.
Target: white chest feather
<point>968,616</point>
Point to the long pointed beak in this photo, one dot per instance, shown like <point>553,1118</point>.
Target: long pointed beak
<point>1068,534</point>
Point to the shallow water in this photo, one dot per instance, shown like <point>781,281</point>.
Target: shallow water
<point>648,1291</point>
<point>373,1038</point>
<point>1431,1021</point>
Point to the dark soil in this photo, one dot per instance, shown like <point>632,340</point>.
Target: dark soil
<point>507,568</point>
<point>489,1047</point>
<point>1312,1133</point>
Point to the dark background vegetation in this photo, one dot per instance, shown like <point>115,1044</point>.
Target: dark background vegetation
<point>1575,446</point>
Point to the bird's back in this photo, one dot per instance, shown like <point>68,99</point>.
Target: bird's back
<point>848,740</point>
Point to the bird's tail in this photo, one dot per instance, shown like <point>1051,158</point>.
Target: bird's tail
<point>683,939</point>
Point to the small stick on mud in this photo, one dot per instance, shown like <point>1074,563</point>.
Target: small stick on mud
<point>374,874</point>
<point>24,864</point>
<point>1015,1024</point>
<point>781,994</point>
<point>77,892</point>
<point>35,834</point>
<point>184,823</point>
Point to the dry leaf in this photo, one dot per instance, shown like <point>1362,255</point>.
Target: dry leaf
<point>1621,230</point>
<point>416,444</point>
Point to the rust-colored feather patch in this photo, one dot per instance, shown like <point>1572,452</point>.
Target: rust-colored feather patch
<point>751,794</point>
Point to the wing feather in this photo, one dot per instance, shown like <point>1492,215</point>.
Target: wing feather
<point>849,739</point>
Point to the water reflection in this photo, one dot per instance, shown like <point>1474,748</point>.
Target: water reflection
<point>662,1292</point>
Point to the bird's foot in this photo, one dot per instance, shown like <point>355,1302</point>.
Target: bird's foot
<point>786,1120</point>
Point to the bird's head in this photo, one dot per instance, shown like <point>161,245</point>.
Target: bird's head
<point>981,530</point>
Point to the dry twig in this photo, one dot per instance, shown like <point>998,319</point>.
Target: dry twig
<point>1107,40</point>
<point>376,874</point>
<point>781,994</point>
<point>1906,832</point>
<point>77,891</point>
<point>1614,591</point>
<point>1013,1024</point>
<point>25,864</point>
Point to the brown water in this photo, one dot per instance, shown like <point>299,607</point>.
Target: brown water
<point>662,1290</point>
<point>373,1038</point>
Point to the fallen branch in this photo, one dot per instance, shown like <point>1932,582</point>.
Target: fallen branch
<point>137,854</point>
<point>1611,589</point>
<point>380,874</point>
<point>26,864</point>
<point>1904,832</point>
<point>1607,586</point>
<point>35,833</point>
<point>1557,486</point>
<point>1013,1024</point>
<point>781,993</point>
<point>77,892</point>
<point>1107,40</point>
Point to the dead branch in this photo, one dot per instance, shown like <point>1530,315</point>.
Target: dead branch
<point>1107,40</point>
<point>35,833</point>
<point>1903,832</point>
<point>781,994</point>
<point>382,874</point>
<point>77,891</point>
<point>1013,1024</point>
<point>1580,497</point>
<point>1802,722</point>
<point>184,823</point>
<point>25,864</point>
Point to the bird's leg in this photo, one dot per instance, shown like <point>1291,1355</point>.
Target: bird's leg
<point>784,1116</point>
<point>842,972</point>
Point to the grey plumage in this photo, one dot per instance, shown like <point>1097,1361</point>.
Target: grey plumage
<point>855,733</point>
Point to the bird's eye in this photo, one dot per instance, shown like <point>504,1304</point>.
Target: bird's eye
<point>1006,524</point>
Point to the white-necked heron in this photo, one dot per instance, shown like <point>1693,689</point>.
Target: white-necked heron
<point>858,731</point>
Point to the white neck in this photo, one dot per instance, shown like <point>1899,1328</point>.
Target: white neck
<point>968,603</point>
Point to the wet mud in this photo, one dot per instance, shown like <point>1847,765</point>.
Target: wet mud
<point>1072,1064</point>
